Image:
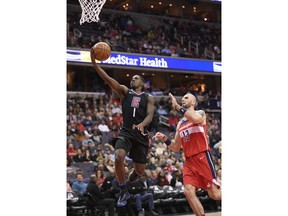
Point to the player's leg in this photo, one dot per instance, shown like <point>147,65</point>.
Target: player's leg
<point>119,165</point>
<point>120,153</point>
<point>215,192</point>
<point>195,204</point>
<point>191,183</point>
<point>209,177</point>
<point>139,155</point>
<point>121,149</point>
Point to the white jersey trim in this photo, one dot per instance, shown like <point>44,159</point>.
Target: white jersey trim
<point>193,129</point>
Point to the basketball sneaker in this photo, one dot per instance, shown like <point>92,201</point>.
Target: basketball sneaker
<point>123,197</point>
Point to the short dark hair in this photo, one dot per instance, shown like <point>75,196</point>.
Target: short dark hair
<point>142,79</point>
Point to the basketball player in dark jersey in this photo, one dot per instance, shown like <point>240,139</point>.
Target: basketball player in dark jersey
<point>137,109</point>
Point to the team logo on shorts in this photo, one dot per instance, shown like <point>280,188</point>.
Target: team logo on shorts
<point>208,185</point>
<point>135,102</point>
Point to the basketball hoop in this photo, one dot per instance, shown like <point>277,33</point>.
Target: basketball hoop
<point>91,10</point>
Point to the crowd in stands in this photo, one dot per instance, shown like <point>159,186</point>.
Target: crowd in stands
<point>157,36</point>
<point>93,120</point>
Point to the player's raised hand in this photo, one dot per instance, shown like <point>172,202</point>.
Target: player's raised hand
<point>174,101</point>
<point>92,55</point>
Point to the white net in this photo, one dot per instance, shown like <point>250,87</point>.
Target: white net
<point>91,10</point>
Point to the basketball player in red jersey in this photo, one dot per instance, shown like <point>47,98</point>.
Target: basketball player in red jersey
<point>137,109</point>
<point>198,170</point>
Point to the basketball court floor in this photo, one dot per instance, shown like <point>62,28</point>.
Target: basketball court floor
<point>207,214</point>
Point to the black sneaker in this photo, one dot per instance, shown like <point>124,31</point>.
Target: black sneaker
<point>133,177</point>
<point>123,197</point>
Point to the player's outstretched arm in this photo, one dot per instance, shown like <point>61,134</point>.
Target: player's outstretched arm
<point>121,90</point>
<point>174,144</point>
<point>150,111</point>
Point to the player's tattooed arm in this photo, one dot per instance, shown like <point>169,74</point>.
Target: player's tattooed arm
<point>201,112</point>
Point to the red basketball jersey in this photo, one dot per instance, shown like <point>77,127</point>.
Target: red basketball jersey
<point>194,138</point>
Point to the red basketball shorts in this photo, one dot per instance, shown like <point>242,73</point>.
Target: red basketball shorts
<point>199,171</point>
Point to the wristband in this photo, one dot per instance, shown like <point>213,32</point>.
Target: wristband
<point>183,110</point>
<point>168,142</point>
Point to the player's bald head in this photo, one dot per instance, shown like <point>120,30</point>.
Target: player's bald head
<point>188,100</point>
<point>191,96</point>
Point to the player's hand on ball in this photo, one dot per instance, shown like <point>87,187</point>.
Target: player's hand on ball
<point>101,51</point>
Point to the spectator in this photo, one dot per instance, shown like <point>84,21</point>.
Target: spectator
<point>177,180</point>
<point>116,109</point>
<point>91,147</point>
<point>166,158</point>
<point>151,165</point>
<point>86,138</point>
<point>79,125</point>
<point>173,111</point>
<point>100,157</point>
<point>71,117</point>
<point>87,156</point>
<point>103,126</point>
<point>162,179</point>
<point>97,138</point>
<point>174,54</point>
<point>71,152</point>
<point>118,118</point>
<point>141,196</point>
<point>160,148</point>
<point>153,152</point>
<point>87,121</point>
<point>166,51</point>
<point>170,166</point>
<point>79,185</point>
<point>109,166</point>
<point>100,177</point>
<point>154,176</point>
<point>149,178</point>
<point>101,114</point>
<point>162,111</point>
<point>83,148</point>
<point>167,174</point>
<point>95,114</point>
<point>79,157</point>
<point>109,155</point>
<point>107,184</point>
<point>98,198</point>
<point>172,121</point>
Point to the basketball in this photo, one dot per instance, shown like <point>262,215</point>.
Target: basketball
<point>102,51</point>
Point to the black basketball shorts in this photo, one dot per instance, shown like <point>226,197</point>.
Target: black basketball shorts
<point>134,143</point>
